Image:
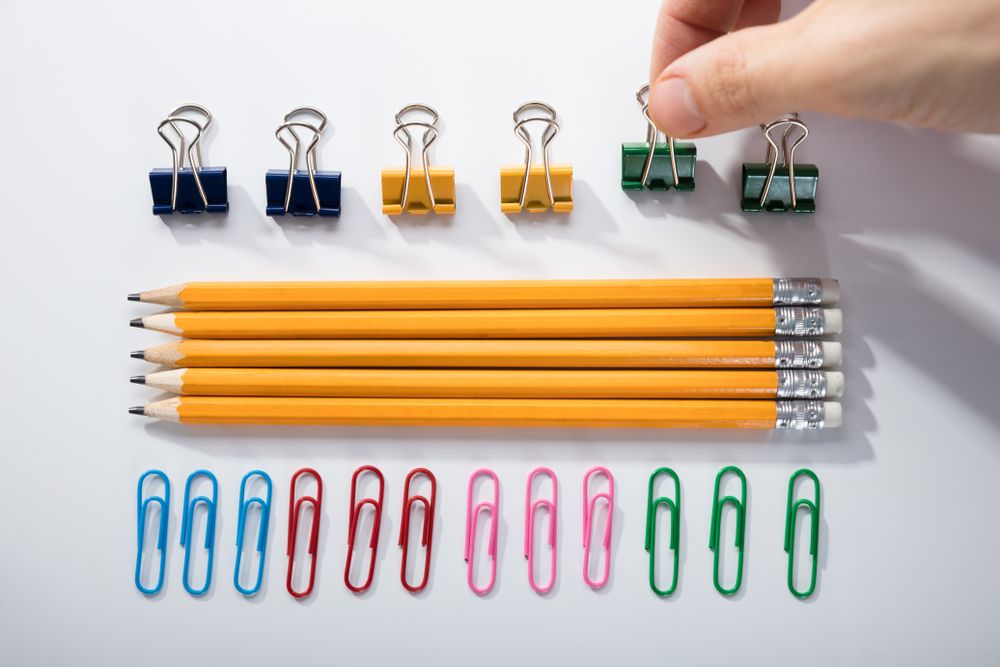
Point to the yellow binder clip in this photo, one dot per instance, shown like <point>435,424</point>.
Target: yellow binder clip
<point>420,190</point>
<point>536,188</point>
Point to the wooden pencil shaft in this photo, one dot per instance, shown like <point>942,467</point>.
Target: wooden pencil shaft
<point>750,414</point>
<point>570,323</point>
<point>740,292</point>
<point>192,353</point>
<point>463,383</point>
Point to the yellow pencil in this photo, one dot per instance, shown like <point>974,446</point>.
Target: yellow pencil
<point>567,323</point>
<point>493,383</point>
<point>193,353</point>
<point>648,413</point>
<point>481,294</point>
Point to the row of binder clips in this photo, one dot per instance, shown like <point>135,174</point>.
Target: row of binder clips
<point>658,163</point>
<point>594,504</point>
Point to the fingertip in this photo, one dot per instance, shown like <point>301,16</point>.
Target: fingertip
<point>674,109</point>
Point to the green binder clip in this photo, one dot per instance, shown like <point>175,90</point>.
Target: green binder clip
<point>778,189</point>
<point>793,507</point>
<point>715,533</point>
<point>654,164</point>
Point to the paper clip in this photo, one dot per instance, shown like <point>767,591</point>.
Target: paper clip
<point>472,513</point>
<point>297,192</point>
<point>589,513</point>
<point>714,535</point>
<point>530,509</point>
<point>794,189</point>
<point>194,189</point>
<point>812,507</point>
<point>654,164</point>
<point>425,189</point>
<point>352,526</point>
<point>187,527</point>
<point>534,188</point>
<point>672,505</point>
<point>427,534</point>
<point>142,508</point>
<point>246,504</point>
<point>294,511</point>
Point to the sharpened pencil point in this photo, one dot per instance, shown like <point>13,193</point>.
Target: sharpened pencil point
<point>138,354</point>
<point>137,379</point>
<point>134,297</point>
<point>138,410</point>
<point>137,322</point>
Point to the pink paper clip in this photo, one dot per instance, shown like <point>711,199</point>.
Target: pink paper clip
<point>589,512</point>
<point>530,509</point>
<point>471,518</point>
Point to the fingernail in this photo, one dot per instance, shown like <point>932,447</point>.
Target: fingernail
<point>674,109</point>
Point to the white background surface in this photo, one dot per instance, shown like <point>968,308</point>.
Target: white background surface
<point>907,221</point>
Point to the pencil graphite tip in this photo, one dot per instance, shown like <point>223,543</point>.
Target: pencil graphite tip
<point>137,322</point>
<point>138,354</point>
<point>137,410</point>
<point>137,379</point>
<point>134,297</point>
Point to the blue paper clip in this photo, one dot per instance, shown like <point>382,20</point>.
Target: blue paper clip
<point>265,515</point>
<point>142,507</point>
<point>194,189</point>
<point>187,526</point>
<point>297,192</point>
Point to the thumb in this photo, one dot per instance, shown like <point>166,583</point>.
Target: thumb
<point>743,78</point>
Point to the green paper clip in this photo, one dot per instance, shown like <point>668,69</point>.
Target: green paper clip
<point>667,165</point>
<point>674,507</point>
<point>790,514</point>
<point>719,504</point>
<point>788,187</point>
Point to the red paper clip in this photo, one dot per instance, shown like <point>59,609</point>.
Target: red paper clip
<point>294,510</point>
<point>352,526</point>
<point>427,536</point>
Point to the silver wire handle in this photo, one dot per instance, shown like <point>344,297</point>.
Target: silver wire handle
<point>551,130</point>
<point>430,135</point>
<point>787,153</point>
<point>194,148</point>
<point>652,134</point>
<point>288,127</point>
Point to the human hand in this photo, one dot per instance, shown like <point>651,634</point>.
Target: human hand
<point>720,65</point>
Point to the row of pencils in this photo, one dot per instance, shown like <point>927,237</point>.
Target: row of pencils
<point>672,353</point>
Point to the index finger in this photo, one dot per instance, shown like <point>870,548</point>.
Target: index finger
<point>684,25</point>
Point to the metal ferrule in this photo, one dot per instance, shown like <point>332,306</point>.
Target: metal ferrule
<point>801,384</point>
<point>799,322</point>
<point>797,291</point>
<point>798,354</point>
<point>800,415</point>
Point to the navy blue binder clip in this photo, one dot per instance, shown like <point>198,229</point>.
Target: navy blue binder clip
<point>297,192</point>
<point>192,189</point>
<point>142,505</point>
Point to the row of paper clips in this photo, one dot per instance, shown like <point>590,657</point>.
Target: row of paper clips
<point>418,188</point>
<point>601,502</point>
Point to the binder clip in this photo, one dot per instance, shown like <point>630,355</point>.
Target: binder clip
<point>535,188</point>
<point>298,192</point>
<point>654,164</point>
<point>192,189</point>
<point>422,190</point>
<point>790,187</point>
